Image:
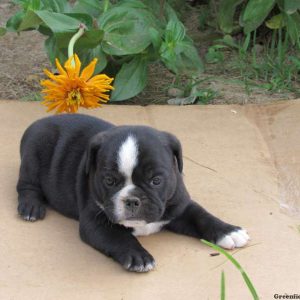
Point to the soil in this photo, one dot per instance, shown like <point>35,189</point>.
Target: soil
<point>22,60</point>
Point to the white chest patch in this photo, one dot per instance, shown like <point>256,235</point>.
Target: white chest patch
<point>128,157</point>
<point>142,228</point>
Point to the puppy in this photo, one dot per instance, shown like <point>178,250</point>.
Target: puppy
<point>118,181</point>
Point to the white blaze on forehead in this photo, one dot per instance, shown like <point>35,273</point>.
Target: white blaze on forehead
<point>128,157</point>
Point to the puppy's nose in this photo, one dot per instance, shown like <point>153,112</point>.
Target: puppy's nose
<point>132,203</point>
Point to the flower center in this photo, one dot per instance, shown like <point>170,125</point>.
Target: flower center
<point>74,97</point>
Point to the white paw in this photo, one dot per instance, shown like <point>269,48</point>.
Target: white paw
<point>235,239</point>
<point>141,268</point>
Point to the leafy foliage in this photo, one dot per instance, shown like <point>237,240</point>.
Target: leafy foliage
<point>124,35</point>
<point>252,14</point>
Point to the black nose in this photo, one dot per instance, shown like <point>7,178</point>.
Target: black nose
<point>132,203</point>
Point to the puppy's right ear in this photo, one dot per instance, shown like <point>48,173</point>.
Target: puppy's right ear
<point>92,150</point>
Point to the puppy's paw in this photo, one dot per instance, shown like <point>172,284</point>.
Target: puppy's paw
<point>31,210</point>
<point>234,239</point>
<point>138,261</point>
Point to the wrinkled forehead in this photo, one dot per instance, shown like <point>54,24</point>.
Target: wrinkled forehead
<point>132,150</point>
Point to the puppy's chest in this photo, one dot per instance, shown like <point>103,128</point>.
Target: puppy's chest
<point>141,228</point>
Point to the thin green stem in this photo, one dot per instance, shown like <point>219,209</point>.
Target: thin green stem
<point>106,5</point>
<point>237,265</point>
<point>223,286</point>
<point>73,40</point>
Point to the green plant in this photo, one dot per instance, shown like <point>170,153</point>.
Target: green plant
<point>275,67</point>
<point>238,266</point>
<point>214,54</point>
<point>223,295</point>
<point>126,36</point>
<point>250,15</point>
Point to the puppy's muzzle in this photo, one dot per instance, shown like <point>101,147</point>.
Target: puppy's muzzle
<point>132,205</point>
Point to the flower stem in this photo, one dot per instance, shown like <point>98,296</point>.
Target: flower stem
<point>106,5</point>
<point>73,40</point>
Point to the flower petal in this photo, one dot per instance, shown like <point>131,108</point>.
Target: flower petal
<point>77,65</point>
<point>88,71</point>
<point>60,68</point>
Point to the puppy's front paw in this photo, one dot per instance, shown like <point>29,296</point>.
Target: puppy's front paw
<point>138,261</point>
<point>31,210</point>
<point>234,239</point>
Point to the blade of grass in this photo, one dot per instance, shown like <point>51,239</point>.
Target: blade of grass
<point>237,265</point>
<point>223,286</point>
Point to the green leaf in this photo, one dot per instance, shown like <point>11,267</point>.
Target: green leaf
<point>2,31</point>
<point>246,43</point>
<point>237,265</point>
<point>54,52</point>
<point>86,19</point>
<point>293,27</point>
<point>126,30</point>
<point>58,22</point>
<point>229,41</point>
<point>59,6</point>
<point>134,4</point>
<point>175,32</point>
<point>35,4</point>
<point>86,56</point>
<point>181,58</point>
<point>214,55</point>
<point>177,50</point>
<point>276,22</point>
<point>14,22</point>
<point>130,80</point>
<point>30,21</point>
<point>91,7</point>
<point>155,37</point>
<point>291,6</point>
<point>90,39</point>
<point>255,13</point>
<point>226,13</point>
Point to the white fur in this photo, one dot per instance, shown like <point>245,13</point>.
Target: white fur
<point>235,239</point>
<point>142,268</point>
<point>142,228</point>
<point>127,161</point>
<point>99,205</point>
<point>128,157</point>
<point>119,199</point>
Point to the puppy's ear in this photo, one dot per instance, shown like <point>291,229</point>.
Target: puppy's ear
<point>176,149</point>
<point>92,150</point>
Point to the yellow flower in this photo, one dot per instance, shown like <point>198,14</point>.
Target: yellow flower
<point>69,90</point>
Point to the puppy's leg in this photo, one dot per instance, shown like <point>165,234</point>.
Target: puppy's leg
<point>31,201</point>
<point>31,206</point>
<point>197,222</point>
<point>115,241</point>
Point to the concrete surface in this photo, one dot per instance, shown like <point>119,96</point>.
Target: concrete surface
<point>240,162</point>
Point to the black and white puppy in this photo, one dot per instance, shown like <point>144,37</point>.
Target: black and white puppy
<point>118,181</point>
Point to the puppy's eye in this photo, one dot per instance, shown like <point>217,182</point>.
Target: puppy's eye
<point>156,181</point>
<point>109,181</point>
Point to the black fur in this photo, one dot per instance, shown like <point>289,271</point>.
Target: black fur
<point>64,163</point>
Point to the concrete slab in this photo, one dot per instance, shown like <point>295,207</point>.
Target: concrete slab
<point>240,162</point>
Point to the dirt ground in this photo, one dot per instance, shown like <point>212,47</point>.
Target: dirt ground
<point>22,59</point>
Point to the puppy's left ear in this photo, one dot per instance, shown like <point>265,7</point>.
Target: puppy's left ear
<point>176,149</point>
<point>92,150</point>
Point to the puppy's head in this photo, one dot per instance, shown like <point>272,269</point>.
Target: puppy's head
<point>133,172</point>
